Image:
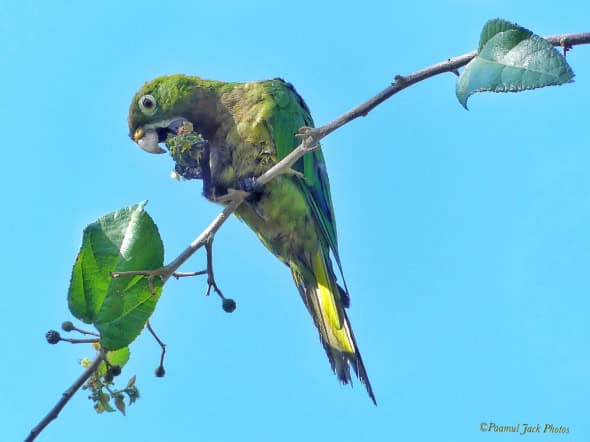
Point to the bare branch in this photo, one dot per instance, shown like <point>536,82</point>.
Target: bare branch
<point>570,40</point>
<point>67,395</point>
<point>202,239</point>
<point>179,275</point>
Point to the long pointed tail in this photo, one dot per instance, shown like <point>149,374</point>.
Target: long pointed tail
<point>325,302</point>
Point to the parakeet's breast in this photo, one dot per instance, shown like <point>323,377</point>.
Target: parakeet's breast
<point>281,217</point>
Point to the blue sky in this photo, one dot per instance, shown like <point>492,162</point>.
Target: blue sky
<point>464,235</point>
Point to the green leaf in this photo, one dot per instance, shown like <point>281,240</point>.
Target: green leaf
<point>103,403</point>
<point>511,59</point>
<point>118,357</point>
<point>124,240</point>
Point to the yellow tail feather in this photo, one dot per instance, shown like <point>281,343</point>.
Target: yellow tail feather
<point>323,299</point>
<point>331,312</point>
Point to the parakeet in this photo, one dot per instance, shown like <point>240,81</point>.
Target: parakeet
<point>247,128</point>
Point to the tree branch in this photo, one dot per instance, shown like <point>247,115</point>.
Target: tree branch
<point>66,396</point>
<point>311,136</point>
<point>202,239</point>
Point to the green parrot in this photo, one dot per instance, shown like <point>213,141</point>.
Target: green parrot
<point>247,128</point>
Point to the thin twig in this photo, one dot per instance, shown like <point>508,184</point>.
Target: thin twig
<point>80,341</point>
<point>66,396</point>
<point>211,283</point>
<point>85,332</point>
<point>168,271</point>
<point>201,240</point>
<point>179,275</point>
<point>160,342</point>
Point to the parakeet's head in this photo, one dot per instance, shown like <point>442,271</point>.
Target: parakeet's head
<point>162,105</point>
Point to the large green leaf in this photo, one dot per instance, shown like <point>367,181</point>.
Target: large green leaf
<point>511,59</point>
<point>124,240</point>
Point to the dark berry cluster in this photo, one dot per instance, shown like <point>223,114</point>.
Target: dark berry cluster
<point>191,161</point>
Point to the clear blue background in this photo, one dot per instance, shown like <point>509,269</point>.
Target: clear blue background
<point>465,236</point>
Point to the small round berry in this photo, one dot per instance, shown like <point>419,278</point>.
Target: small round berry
<point>229,305</point>
<point>53,336</point>
<point>116,370</point>
<point>67,326</point>
<point>160,372</point>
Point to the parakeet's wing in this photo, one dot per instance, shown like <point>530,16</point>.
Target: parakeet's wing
<point>324,298</point>
<point>293,115</point>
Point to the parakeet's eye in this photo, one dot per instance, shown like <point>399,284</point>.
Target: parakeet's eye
<point>148,105</point>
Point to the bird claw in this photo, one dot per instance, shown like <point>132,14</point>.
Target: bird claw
<point>294,172</point>
<point>250,185</point>
<point>305,132</point>
<point>310,136</point>
<point>231,195</point>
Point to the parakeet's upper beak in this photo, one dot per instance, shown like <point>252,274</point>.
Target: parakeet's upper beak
<point>148,140</point>
<point>149,136</point>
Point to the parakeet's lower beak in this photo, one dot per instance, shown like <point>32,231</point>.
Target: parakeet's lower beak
<point>150,136</point>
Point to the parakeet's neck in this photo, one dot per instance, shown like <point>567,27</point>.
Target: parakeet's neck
<point>205,108</point>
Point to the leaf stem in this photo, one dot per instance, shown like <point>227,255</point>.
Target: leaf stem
<point>80,341</point>
<point>85,332</point>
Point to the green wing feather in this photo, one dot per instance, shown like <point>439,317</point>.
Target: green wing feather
<point>293,115</point>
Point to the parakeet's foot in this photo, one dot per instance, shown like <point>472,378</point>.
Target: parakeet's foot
<point>294,172</point>
<point>250,185</point>
<point>230,196</point>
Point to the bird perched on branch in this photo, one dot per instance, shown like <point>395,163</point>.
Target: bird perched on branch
<point>243,130</point>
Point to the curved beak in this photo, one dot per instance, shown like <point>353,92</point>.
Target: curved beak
<point>150,136</point>
<point>148,140</point>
